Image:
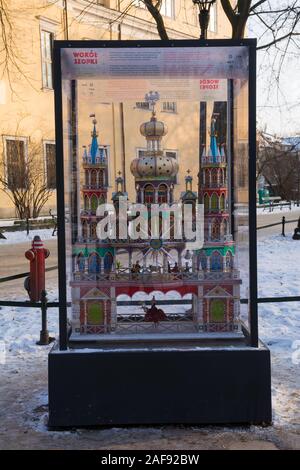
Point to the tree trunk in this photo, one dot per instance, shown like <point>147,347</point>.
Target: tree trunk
<point>238,20</point>
<point>158,19</point>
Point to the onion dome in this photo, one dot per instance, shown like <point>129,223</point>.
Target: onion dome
<point>153,129</point>
<point>152,166</point>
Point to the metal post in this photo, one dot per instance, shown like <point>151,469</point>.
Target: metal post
<point>283,226</point>
<point>204,22</point>
<point>27,225</point>
<point>253,311</point>
<point>44,333</point>
<point>61,243</point>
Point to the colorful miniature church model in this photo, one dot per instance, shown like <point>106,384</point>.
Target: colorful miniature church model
<point>103,270</point>
<point>221,280</point>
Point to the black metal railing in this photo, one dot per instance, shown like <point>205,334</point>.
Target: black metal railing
<point>44,305</point>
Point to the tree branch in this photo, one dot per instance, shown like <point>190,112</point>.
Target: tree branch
<point>288,35</point>
<point>257,4</point>
<point>154,11</point>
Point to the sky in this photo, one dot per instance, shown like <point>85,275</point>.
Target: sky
<point>278,102</point>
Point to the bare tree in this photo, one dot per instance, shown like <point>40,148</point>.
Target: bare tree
<point>278,164</point>
<point>23,180</point>
<point>13,62</point>
<point>279,23</point>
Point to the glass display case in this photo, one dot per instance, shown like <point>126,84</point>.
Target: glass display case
<point>145,128</point>
<point>156,193</point>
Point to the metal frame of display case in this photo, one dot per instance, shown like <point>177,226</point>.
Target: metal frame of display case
<point>250,367</point>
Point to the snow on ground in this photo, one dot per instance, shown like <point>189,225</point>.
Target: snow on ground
<point>279,323</point>
<point>21,236</point>
<point>279,275</point>
<point>277,210</point>
<point>19,330</point>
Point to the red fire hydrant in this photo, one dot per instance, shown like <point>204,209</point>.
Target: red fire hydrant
<point>36,282</point>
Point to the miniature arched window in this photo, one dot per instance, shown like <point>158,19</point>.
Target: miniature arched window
<point>95,312</point>
<point>149,194</point>
<point>222,202</point>
<point>217,311</point>
<point>162,194</point>
<point>224,228</point>
<point>101,200</point>
<point>94,231</point>
<point>214,203</point>
<point>214,177</point>
<point>215,231</point>
<point>222,177</point>
<point>206,203</point>
<point>108,261</point>
<point>173,230</point>
<point>94,178</point>
<point>80,262</point>
<point>203,262</point>
<point>101,178</point>
<point>87,177</point>
<point>94,203</point>
<point>207,178</point>
<point>229,260</point>
<point>216,261</point>
<point>94,263</point>
<point>85,229</point>
<point>86,203</point>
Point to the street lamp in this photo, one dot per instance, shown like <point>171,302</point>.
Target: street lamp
<point>204,14</point>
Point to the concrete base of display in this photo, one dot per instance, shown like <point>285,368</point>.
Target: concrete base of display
<point>159,385</point>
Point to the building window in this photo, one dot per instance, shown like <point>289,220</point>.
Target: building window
<point>50,165</point>
<point>168,8</point>
<point>46,50</point>
<point>142,105</point>
<point>15,150</point>
<point>212,27</point>
<point>139,4</point>
<point>169,107</point>
<point>141,152</point>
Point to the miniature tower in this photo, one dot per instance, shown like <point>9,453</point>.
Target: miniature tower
<point>94,191</point>
<point>92,303</point>
<point>154,172</point>
<point>221,286</point>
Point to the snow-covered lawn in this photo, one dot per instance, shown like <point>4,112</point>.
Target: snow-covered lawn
<point>279,323</point>
<point>279,275</point>
<point>21,236</point>
<point>277,209</point>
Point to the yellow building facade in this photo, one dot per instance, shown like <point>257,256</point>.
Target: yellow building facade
<point>26,86</point>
